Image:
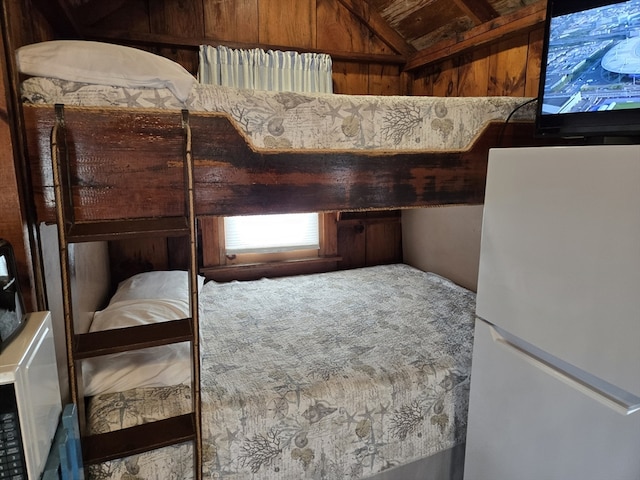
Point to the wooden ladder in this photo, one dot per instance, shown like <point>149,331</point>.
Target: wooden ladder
<point>103,447</point>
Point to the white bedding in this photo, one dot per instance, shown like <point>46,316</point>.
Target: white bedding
<point>338,375</point>
<point>285,120</point>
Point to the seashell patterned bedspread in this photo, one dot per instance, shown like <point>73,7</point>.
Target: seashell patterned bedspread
<point>338,375</point>
<point>286,120</point>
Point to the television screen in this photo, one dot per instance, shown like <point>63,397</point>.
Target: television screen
<point>11,304</point>
<point>590,78</point>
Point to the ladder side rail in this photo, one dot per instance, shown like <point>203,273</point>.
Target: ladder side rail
<point>64,214</point>
<point>193,290</point>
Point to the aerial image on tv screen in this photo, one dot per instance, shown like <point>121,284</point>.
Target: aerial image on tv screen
<point>593,60</point>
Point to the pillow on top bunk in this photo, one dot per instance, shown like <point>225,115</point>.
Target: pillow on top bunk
<point>104,64</point>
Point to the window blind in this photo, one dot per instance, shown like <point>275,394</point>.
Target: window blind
<point>271,233</point>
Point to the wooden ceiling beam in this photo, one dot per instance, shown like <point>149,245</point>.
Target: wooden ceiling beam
<point>480,11</point>
<point>524,19</point>
<point>378,25</point>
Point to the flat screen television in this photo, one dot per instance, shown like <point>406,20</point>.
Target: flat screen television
<point>12,313</point>
<point>590,76</point>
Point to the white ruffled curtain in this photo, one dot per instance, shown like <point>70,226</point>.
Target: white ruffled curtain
<point>258,69</point>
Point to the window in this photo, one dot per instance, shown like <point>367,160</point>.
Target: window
<point>271,233</point>
<point>272,250</point>
<point>270,238</point>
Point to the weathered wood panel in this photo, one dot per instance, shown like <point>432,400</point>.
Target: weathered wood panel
<point>13,226</point>
<point>340,29</point>
<point>384,79</point>
<point>130,161</point>
<point>324,25</point>
<point>177,17</point>
<point>534,62</point>
<point>473,73</point>
<point>509,67</point>
<point>287,22</point>
<point>350,77</point>
<point>237,20</point>
<point>445,80</point>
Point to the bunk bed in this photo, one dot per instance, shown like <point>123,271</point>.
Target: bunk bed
<point>269,152</point>
<point>263,152</point>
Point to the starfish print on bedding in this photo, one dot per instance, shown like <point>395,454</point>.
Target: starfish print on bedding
<point>367,415</point>
<point>333,112</point>
<point>372,107</point>
<point>129,100</point>
<point>384,409</point>
<point>349,419</point>
<point>354,110</point>
<point>232,436</point>
<point>158,101</point>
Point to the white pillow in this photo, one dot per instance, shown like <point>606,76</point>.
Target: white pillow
<point>161,366</point>
<point>129,313</point>
<point>104,64</point>
<point>165,284</point>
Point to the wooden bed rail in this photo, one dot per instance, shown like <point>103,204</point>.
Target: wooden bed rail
<point>123,165</point>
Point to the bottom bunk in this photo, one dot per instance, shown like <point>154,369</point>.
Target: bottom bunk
<point>347,374</point>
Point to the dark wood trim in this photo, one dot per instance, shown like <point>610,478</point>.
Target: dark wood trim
<point>118,340</point>
<point>270,269</point>
<point>103,447</point>
<point>233,178</point>
<point>122,229</point>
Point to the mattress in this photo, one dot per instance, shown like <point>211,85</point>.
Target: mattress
<point>287,120</point>
<point>335,375</point>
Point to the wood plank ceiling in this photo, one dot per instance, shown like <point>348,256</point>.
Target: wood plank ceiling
<point>419,31</point>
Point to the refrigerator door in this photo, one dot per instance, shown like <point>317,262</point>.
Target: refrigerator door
<point>527,425</point>
<point>560,259</point>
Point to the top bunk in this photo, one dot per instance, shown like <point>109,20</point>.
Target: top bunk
<point>258,152</point>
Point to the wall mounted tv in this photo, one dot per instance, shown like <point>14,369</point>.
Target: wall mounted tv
<point>590,77</point>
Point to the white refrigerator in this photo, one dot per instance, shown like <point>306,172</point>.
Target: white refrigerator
<point>555,382</point>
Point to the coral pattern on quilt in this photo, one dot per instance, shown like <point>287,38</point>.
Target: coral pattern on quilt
<point>287,120</point>
<point>370,374</point>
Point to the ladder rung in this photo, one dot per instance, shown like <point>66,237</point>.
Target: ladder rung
<point>139,439</point>
<point>120,229</point>
<point>94,344</point>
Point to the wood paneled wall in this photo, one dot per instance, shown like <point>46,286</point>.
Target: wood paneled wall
<point>506,67</point>
<point>325,25</point>
<point>510,67</point>
<point>19,26</point>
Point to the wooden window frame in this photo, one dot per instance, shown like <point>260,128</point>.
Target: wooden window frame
<point>218,266</point>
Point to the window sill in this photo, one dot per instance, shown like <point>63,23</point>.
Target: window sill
<point>254,271</point>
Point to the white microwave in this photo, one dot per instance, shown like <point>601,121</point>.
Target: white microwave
<point>30,404</point>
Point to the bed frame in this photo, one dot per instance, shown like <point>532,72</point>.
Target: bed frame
<point>115,170</point>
